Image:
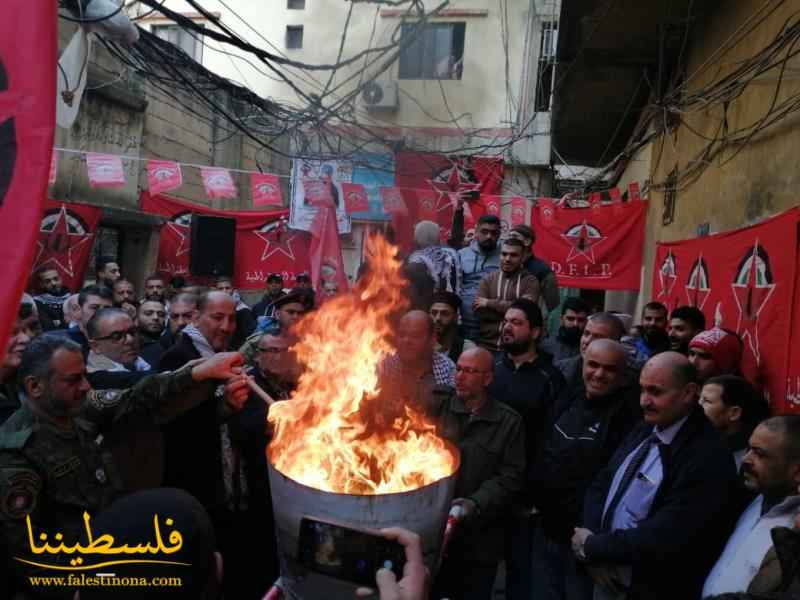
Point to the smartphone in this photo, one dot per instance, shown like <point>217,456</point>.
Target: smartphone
<point>347,553</point>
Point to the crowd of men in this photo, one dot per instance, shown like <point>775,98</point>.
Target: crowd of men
<point>598,460</point>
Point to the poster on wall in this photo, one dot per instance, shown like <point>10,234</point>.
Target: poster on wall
<point>316,182</point>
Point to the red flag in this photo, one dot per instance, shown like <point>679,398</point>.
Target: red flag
<point>545,209</point>
<point>163,176</point>
<point>355,198</point>
<point>493,205</point>
<point>53,168</point>
<point>745,281</point>
<point>595,199</point>
<point>218,183</point>
<point>591,248</point>
<point>427,201</point>
<point>264,244</point>
<point>105,170</point>
<point>518,206</point>
<point>634,194</point>
<point>327,266</point>
<point>266,189</point>
<point>65,240</point>
<point>28,49</point>
<point>393,202</point>
<point>614,195</point>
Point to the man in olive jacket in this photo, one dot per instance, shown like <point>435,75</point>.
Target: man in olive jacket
<point>490,437</point>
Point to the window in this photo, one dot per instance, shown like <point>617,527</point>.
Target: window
<point>294,37</point>
<point>437,51</point>
<point>296,4</point>
<point>547,66</point>
<point>186,41</point>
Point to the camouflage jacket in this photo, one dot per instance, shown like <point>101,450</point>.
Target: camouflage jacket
<point>50,476</point>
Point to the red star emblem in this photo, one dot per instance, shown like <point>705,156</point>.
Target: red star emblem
<point>57,244</point>
<point>751,292</point>
<point>582,241</point>
<point>182,231</point>
<point>697,288</point>
<point>278,240</point>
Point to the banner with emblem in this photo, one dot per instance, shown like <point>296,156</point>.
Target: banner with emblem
<point>317,183</point>
<point>595,248</point>
<point>28,47</point>
<point>66,235</point>
<point>264,243</point>
<point>163,176</point>
<point>745,281</point>
<point>266,190</point>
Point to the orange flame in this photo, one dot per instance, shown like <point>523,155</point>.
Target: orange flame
<point>323,437</point>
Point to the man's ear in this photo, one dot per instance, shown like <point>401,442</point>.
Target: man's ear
<point>735,413</point>
<point>33,386</point>
<point>691,392</point>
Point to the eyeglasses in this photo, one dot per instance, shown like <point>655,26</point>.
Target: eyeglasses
<point>469,370</point>
<point>272,350</point>
<point>118,336</point>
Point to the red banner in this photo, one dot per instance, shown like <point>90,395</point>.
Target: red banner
<point>264,244</point>
<point>266,190</point>
<point>218,183</point>
<point>28,50</point>
<point>746,281</point>
<point>163,176</point>
<point>592,248</point>
<point>518,208</point>
<point>65,240</point>
<point>327,266</point>
<point>104,170</point>
<point>417,171</point>
<point>355,198</point>
<point>395,200</point>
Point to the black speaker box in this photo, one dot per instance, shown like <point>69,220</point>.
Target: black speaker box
<point>213,243</point>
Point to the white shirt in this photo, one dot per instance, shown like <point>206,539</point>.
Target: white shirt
<point>747,546</point>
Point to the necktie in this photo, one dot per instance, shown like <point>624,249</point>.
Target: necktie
<point>627,477</point>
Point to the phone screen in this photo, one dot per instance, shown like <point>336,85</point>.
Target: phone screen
<point>348,554</point>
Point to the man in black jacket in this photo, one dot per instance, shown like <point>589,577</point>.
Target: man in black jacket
<point>657,516</point>
<point>51,298</point>
<point>587,426</point>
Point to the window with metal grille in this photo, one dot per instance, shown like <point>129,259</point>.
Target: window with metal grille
<point>188,42</point>
<point>294,37</point>
<point>296,4</point>
<point>547,66</point>
<point>437,51</point>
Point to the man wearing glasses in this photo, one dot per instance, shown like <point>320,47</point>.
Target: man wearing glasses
<point>490,438</point>
<point>114,361</point>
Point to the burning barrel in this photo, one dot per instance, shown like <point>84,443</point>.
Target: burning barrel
<point>342,449</point>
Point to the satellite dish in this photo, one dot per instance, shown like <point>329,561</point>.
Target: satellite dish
<point>372,93</point>
<point>73,62</point>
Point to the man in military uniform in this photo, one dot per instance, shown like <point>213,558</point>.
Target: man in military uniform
<point>55,462</point>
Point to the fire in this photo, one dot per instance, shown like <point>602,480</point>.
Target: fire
<point>324,437</point>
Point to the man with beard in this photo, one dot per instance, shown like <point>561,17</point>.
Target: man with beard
<point>527,382</point>
<point>566,342</point>
<point>771,468</point>
<point>491,440</point>
<point>106,271</point>
<point>266,307</point>
<point>715,352</point>
<point>22,332</point>
<point>444,313</point>
<point>599,326</point>
<point>91,299</point>
<point>154,289</point>
<point>182,311</point>
<point>150,320</point>
<point>653,338</point>
<point>123,292</point>
<point>245,320</point>
<point>481,257</point>
<point>658,514</point>
<point>499,289</point>
<point>114,361</point>
<point>685,322</point>
<point>51,298</point>
<point>55,460</point>
<point>548,284</point>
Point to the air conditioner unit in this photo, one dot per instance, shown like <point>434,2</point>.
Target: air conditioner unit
<point>380,95</point>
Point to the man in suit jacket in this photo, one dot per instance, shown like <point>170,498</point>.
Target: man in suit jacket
<point>657,516</point>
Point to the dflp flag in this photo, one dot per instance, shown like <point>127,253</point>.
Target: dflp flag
<point>163,176</point>
<point>266,189</point>
<point>218,183</point>
<point>325,254</point>
<point>105,170</point>
<point>592,248</point>
<point>393,202</point>
<point>355,198</point>
<point>518,207</point>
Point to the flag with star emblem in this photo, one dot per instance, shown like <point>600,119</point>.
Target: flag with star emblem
<point>264,242</point>
<point>66,234</point>
<point>592,248</point>
<point>28,47</point>
<point>744,281</point>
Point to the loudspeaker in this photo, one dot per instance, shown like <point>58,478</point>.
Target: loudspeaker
<point>213,243</point>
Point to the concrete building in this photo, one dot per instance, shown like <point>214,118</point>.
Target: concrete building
<point>632,100</point>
